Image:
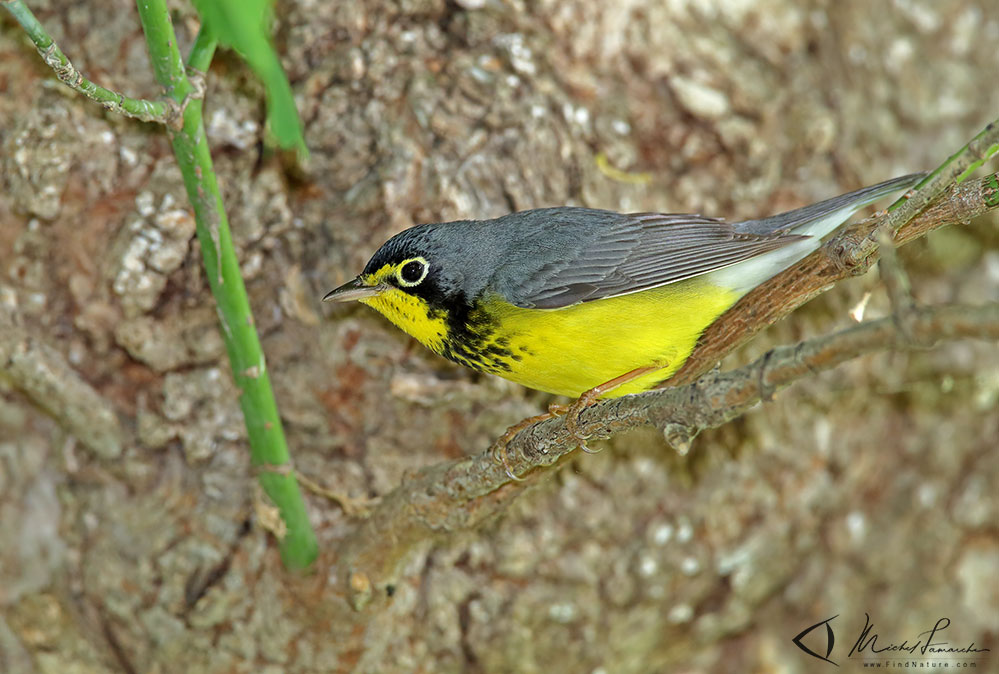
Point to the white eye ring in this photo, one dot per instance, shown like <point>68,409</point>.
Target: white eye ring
<point>400,272</point>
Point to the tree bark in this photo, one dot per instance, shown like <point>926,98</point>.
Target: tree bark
<point>864,489</point>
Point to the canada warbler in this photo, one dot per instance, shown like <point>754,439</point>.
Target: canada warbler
<point>567,299</point>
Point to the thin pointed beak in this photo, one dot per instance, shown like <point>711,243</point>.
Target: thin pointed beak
<point>352,290</point>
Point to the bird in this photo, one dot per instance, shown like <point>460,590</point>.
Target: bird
<point>583,302</point>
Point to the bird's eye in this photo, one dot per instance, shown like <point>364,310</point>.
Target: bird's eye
<point>412,272</point>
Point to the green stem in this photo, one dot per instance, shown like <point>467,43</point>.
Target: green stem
<point>954,170</point>
<point>268,449</point>
<point>202,51</point>
<point>147,111</point>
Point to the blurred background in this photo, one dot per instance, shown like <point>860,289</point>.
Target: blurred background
<point>869,489</point>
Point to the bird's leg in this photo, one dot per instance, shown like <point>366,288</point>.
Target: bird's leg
<point>573,411</point>
<point>572,416</point>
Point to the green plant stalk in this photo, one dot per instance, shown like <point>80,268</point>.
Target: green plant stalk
<point>202,51</point>
<point>955,170</point>
<point>147,111</point>
<point>268,449</point>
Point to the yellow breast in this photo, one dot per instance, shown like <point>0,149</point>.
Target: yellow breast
<point>571,350</point>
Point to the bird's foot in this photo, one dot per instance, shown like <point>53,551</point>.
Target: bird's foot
<point>589,398</point>
<point>571,413</point>
<point>499,448</point>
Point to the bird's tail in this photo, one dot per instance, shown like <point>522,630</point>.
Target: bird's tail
<point>813,222</point>
<point>824,217</point>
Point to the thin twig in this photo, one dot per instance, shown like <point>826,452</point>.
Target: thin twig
<point>148,111</point>
<point>352,506</point>
<point>895,280</point>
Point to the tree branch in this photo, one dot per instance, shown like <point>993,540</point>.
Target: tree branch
<point>457,495</point>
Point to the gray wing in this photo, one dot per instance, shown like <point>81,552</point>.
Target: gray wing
<point>629,253</point>
<point>594,254</point>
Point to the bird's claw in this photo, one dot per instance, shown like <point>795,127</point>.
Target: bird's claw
<point>571,413</point>
<point>502,457</point>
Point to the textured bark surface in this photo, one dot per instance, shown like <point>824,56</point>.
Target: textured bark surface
<point>138,547</point>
